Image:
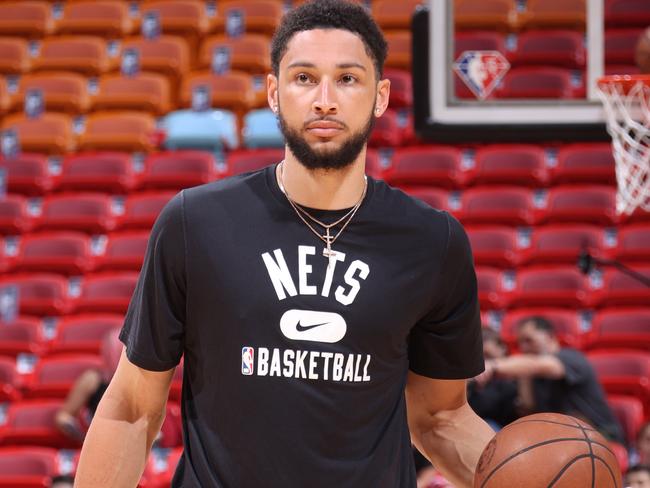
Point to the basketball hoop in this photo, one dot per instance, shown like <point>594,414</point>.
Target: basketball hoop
<point>627,106</point>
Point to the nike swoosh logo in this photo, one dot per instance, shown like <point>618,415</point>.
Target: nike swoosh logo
<point>302,328</point>
<point>312,325</point>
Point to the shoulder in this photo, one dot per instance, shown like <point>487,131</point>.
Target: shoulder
<point>232,187</point>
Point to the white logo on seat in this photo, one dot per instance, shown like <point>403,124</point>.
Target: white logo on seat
<point>307,325</point>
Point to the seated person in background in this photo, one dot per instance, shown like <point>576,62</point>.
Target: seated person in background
<point>637,476</point>
<point>641,452</point>
<point>554,378</point>
<point>495,400</point>
<point>89,388</point>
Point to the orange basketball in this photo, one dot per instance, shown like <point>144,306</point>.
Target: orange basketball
<point>642,55</point>
<point>548,450</point>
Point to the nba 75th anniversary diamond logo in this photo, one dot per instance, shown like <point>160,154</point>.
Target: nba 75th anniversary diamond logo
<point>247,361</point>
<point>481,71</point>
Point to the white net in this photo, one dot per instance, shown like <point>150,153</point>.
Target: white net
<point>627,106</point>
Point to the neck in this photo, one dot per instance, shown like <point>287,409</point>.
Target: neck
<point>323,189</point>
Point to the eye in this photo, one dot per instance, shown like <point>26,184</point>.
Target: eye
<point>348,79</point>
<point>303,78</point>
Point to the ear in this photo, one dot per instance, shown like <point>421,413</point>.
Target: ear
<point>272,91</point>
<point>383,94</point>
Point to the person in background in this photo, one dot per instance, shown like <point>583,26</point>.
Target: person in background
<point>641,452</point>
<point>638,476</point>
<point>553,378</point>
<point>89,389</point>
<point>494,401</point>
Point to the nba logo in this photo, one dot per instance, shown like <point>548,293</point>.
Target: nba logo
<point>247,361</point>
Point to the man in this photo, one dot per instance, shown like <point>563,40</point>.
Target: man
<point>306,299</point>
<point>638,476</point>
<point>554,378</point>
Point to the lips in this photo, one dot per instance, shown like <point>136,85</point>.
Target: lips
<point>324,128</point>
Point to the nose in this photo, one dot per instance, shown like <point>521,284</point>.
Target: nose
<point>325,103</point>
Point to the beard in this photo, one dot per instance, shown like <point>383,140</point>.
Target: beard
<point>332,159</point>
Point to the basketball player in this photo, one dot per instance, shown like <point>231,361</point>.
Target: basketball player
<point>306,300</point>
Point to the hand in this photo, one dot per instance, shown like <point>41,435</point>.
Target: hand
<point>486,376</point>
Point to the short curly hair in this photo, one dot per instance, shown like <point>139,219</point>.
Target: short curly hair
<point>331,14</point>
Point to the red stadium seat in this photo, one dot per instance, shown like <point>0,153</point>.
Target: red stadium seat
<point>620,451</point>
<point>629,412</point>
<point>620,328</point>
<point>183,18</point>
<point>14,216</point>
<point>558,286</point>
<point>434,197</point>
<point>538,82</point>
<point>87,212</point>
<point>494,246</point>
<point>230,91</point>
<point>492,289</point>
<point>97,171</point>
<point>148,92</point>
<point>508,205</point>
<point>562,244</point>
<point>567,324</point>
<point>387,131</point>
<point>627,13</point>
<point>125,251</point>
<point>633,245</point>
<point>29,19</point>
<point>620,45</point>
<point>401,88</point>
<point>106,18</point>
<point>28,174</point>
<point>119,131</point>
<point>171,431</point>
<point>23,335</point>
<point>399,49</point>
<point>619,289</point>
<point>426,165</point>
<point>250,52</point>
<point>106,292</point>
<point>585,163</point>
<point>28,467</point>
<point>40,294</point>
<point>482,14</point>
<point>55,252</point>
<point>53,377</point>
<point>87,55</point>
<point>176,389</point>
<point>560,14</point>
<point>5,100</point>
<point>32,423</point>
<point>51,133</point>
<point>593,204</point>
<point>83,334</point>
<point>168,55</point>
<point>141,209</point>
<point>10,381</point>
<point>624,372</point>
<point>551,48</point>
<point>14,55</point>
<point>157,477</point>
<point>394,15</point>
<point>62,92</point>
<point>483,40</point>
<point>244,161</point>
<point>261,16</point>
<point>519,164</point>
<point>175,170</point>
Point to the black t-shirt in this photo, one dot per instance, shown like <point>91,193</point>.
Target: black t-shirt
<point>578,394</point>
<point>294,371</point>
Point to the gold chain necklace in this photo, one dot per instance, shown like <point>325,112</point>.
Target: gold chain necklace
<point>328,238</point>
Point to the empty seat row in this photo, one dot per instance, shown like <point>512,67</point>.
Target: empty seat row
<point>506,247</point>
<point>521,164</point>
<point>560,286</point>
<point>111,172</point>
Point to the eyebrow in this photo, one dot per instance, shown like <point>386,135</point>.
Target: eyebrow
<point>306,64</point>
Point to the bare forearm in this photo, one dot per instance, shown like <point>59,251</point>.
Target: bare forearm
<point>116,446</point>
<point>526,366</point>
<point>455,443</point>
